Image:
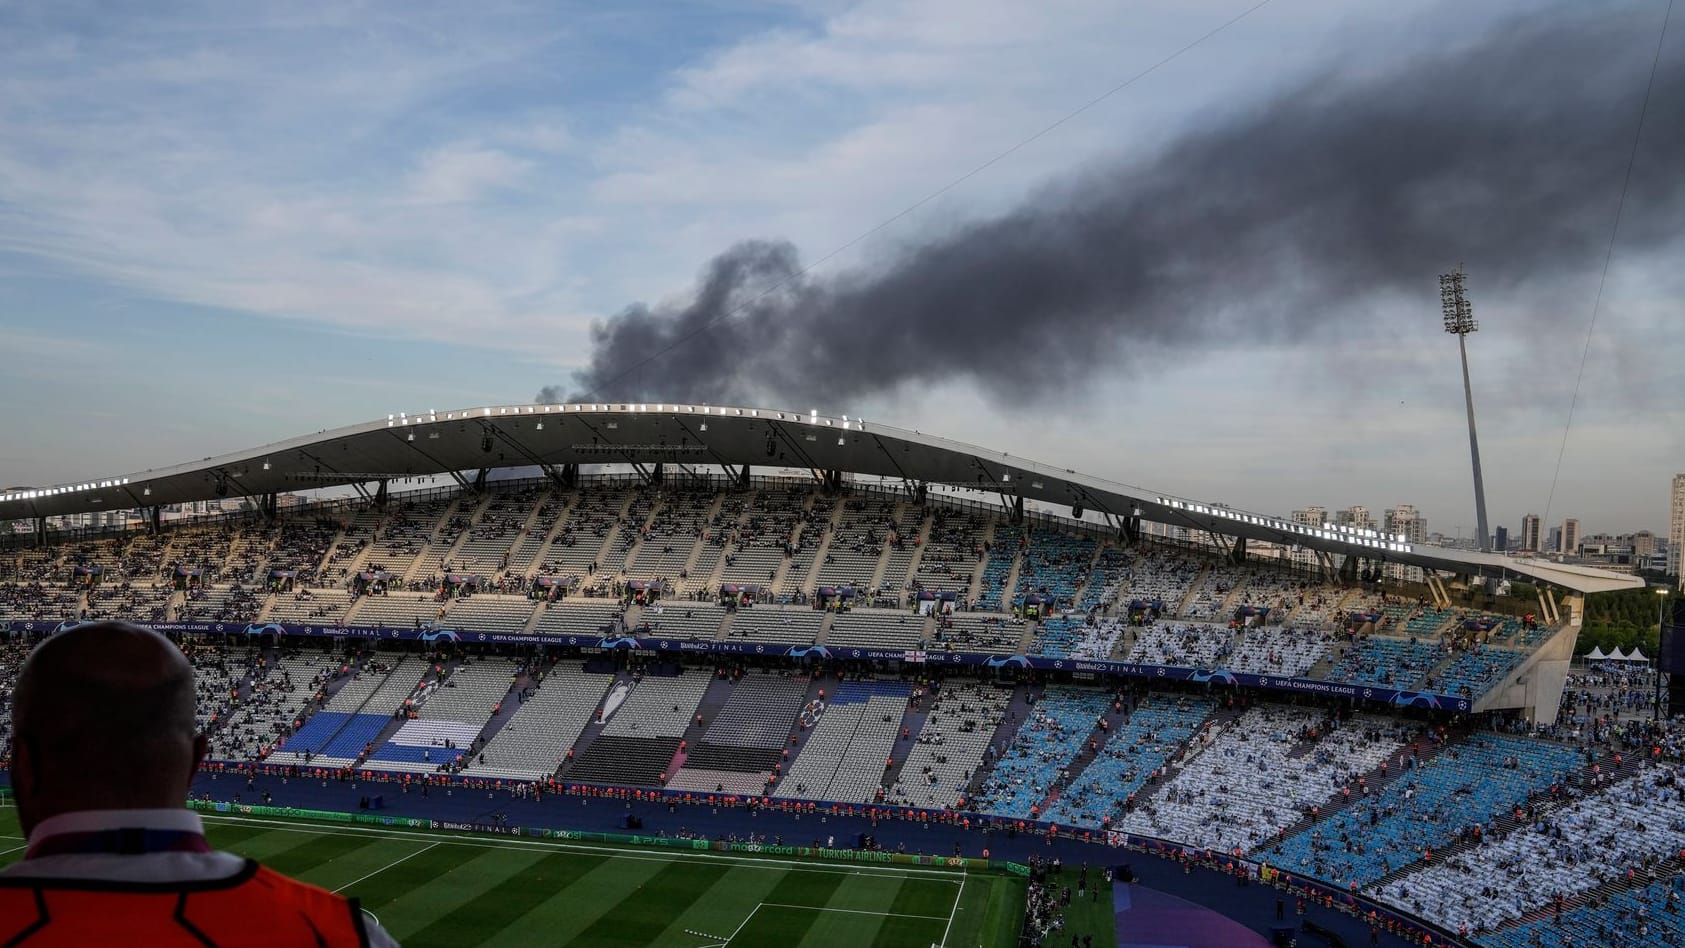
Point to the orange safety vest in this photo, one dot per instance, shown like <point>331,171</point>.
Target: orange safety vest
<point>255,906</point>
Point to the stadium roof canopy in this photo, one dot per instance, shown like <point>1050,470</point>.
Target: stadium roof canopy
<point>437,443</point>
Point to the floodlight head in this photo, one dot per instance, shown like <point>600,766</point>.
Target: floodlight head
<point>1454,303</point>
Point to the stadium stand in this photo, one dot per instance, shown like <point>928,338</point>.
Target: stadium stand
<point>1054,565</point>
<point>949,750</point>
<point>875,628</point>
<point>1467,783</point>
<point>679,619</point>
<point>997,568</point>
<point>549,721</point>
<point>638,744</point>
<point>1387,661</point>
<point>356,714</point>
<point>1278,650</point>
<point>789,625</point>
<point>951,553</point>
<point>1044,748</point>
<point>857,542</point>
<point>1248,779</point>
<point>997,635</point>
<point>1190,644</point>
<point>450,712</point>
<point>845,757</point>
<point>745,743</point>
<point>489,612</point>
<point>1634,821</point>
<point>1155,732</point>
<point>586,617</point>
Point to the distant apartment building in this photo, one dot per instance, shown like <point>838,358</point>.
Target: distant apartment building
<point>1530,534</point>
<point>1569,538</point>
<point>1676,528</point>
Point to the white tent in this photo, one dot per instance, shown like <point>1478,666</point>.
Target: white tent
<point>1596,654</point>
<point>1616,655</point>
<point>1636,656</point>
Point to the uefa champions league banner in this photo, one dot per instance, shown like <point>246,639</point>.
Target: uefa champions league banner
<point>677,647</point>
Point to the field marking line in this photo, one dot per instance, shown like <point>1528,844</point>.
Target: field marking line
<point>952,914</point>
<point>386,867</point>
<point>740,925</point>
<point>8,852</point>
<point>934,873</point>
<point>827,908</point>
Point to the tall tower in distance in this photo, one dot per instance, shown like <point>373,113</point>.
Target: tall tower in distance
<point>1459,322</point>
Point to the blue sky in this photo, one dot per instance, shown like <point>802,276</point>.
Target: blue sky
<point>224,224</point>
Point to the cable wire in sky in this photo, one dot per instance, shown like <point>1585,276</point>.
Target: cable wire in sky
<point>1608,255</point>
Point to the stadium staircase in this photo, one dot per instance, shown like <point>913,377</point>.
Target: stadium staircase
<point>351,716</point>
<point>473,509</point>
<point>912,721</point>
<point>606,548</point>
<point>694,582</point>
<point>565,504</point>
<point>1018,710</point>
<point>782,576</point>
<point>1193,590</point>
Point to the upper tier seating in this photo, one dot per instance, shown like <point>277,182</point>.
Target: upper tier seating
<point>996,635</point>
<point>951,554</point>
<point>681,619</point>
<point>1278,650</point>
<point>494,533</point>
<point>1385,661</point>
<point>489,612</point>
<point>997,568</point>
<point>1055,565</point>
<point>788,625</point>
<point>875,628</point>
<point>857,542</point>
<point>1190,644</point>
<point>582,617</point>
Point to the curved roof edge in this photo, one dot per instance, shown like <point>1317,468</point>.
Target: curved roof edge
<point>432,443</point>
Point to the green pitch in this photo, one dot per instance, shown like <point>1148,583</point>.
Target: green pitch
<point>445,889</point>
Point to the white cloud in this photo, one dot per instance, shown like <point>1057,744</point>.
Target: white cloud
<point>461,172</point>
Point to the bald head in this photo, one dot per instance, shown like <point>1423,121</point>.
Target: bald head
<point>103,719</point>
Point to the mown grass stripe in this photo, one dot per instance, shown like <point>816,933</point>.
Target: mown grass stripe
<point>501,906</point>
<point>657,903</point>
<point>558,919</point>
<point>782,926</point>
<point>724,906</point>
<point>319,852</point>
<point>414,894</point>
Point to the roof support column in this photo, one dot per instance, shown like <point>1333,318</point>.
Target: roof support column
<point>380,494</point>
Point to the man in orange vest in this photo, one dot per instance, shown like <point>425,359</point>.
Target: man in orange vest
<point>104,752</point>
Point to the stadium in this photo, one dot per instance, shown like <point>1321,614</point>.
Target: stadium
<point>700,676</point>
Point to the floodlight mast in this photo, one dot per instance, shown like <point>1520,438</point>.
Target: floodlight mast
<point>1459,322</point>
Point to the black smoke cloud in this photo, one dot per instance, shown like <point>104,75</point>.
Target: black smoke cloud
<point>1507,155</point>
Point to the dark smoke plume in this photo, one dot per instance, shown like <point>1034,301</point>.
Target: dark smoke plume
<point>1507,155</point>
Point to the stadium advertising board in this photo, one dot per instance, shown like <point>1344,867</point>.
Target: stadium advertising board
<point>1332,689</point>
